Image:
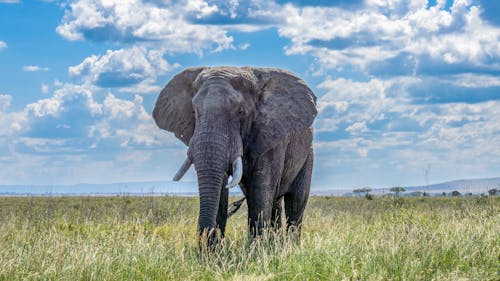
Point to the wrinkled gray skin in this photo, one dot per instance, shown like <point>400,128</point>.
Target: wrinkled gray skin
<point>263,115</point>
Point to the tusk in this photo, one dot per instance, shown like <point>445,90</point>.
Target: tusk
<point>237,173</point>
<point>184,168</point>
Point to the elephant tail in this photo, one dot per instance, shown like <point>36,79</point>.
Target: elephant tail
<point>235,206</point>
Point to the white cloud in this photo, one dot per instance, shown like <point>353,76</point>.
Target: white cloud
<point>184,26</point>
<point>357,128</point>
<point>132,70</point>
<point>5,101</point>
<point>74,107</point>
<point>470,80</point>
<point>377,125</point>
<point>201,8</point>
<point>10,1</point>
<point>74,124</point>
<point>45,88</point>
<point>391,120</point>
<point>135,20</point>
<point>128,123</point>
<point>426,94</point>
<point>244,46</point>
<point>392,30</point>
<point>11,123</point>
<point>56,104</point>
<point>339,36</point>
<point>348,102</point>
<point>34,68</point>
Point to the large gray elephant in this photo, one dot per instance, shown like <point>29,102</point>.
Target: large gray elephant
<point>254,124</point>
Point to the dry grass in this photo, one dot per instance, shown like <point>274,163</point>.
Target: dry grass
<point>153,238</point>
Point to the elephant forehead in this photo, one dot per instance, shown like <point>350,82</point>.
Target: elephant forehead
<point>229,74</point>
<point>216,95</point>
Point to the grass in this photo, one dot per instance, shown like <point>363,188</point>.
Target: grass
<point>154,238</point>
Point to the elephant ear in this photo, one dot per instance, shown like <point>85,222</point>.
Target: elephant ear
<point>173,109</point>
<point>286,105</point>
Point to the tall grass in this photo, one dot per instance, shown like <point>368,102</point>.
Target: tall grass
<point>154,238</point>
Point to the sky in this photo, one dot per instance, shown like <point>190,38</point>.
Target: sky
<point>408,91</point>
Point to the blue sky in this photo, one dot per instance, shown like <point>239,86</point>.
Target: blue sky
<point>402,86</point>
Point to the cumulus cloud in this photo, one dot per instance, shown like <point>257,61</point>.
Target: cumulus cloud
<point>179,26</point>
<point>405,82</point>
<point>413,37</point>
<point>417,36</point>
<point>5,101</point>
<point>45,88</point>
<point>3,45</point>
<point>426,85</point>
<point>347,102</point>
<point>132,70</point>
<point>11,123</point>
<point>63,99</point>
<point>249,15</point>
<point>134,20</point>
<point>119,116</point>
<point>380,125</point>
<point>244,46</point>
<point>75,130</point>
<point>82,111</point>
<point>34,68</point>
<point>73,111</point>
<point>397,104</point>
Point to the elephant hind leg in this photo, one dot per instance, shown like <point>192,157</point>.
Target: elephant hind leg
<point>296,197</point>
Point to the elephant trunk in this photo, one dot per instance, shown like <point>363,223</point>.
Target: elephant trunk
<point>209,182</point>
<point>210,157</point>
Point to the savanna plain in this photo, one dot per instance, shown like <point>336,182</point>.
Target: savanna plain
<point>154,238</point>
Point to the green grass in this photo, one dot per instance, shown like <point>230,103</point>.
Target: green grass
<point>154,238</point>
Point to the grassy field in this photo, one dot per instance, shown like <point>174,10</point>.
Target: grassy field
<point>154,238</point>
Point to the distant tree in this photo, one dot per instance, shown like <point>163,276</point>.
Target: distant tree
<point>444,193</point>
<point>397,190</point>
<point>492,192</point>
<point>367,189</point>
<point>364,190</point>
<point>425,194</point>
<point>368,196</point>
<point>455,193</point>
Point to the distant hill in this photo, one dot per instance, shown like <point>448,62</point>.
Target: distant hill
<point>475,186</point>
<point>186,188</point>
<point>463,186</point>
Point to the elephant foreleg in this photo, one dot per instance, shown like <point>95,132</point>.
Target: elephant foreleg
<point>259,211</point>
<point>264,211</point>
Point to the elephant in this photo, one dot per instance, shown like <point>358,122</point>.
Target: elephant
<point>243,126</point>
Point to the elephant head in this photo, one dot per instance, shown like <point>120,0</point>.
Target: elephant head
<point>224,114</point>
